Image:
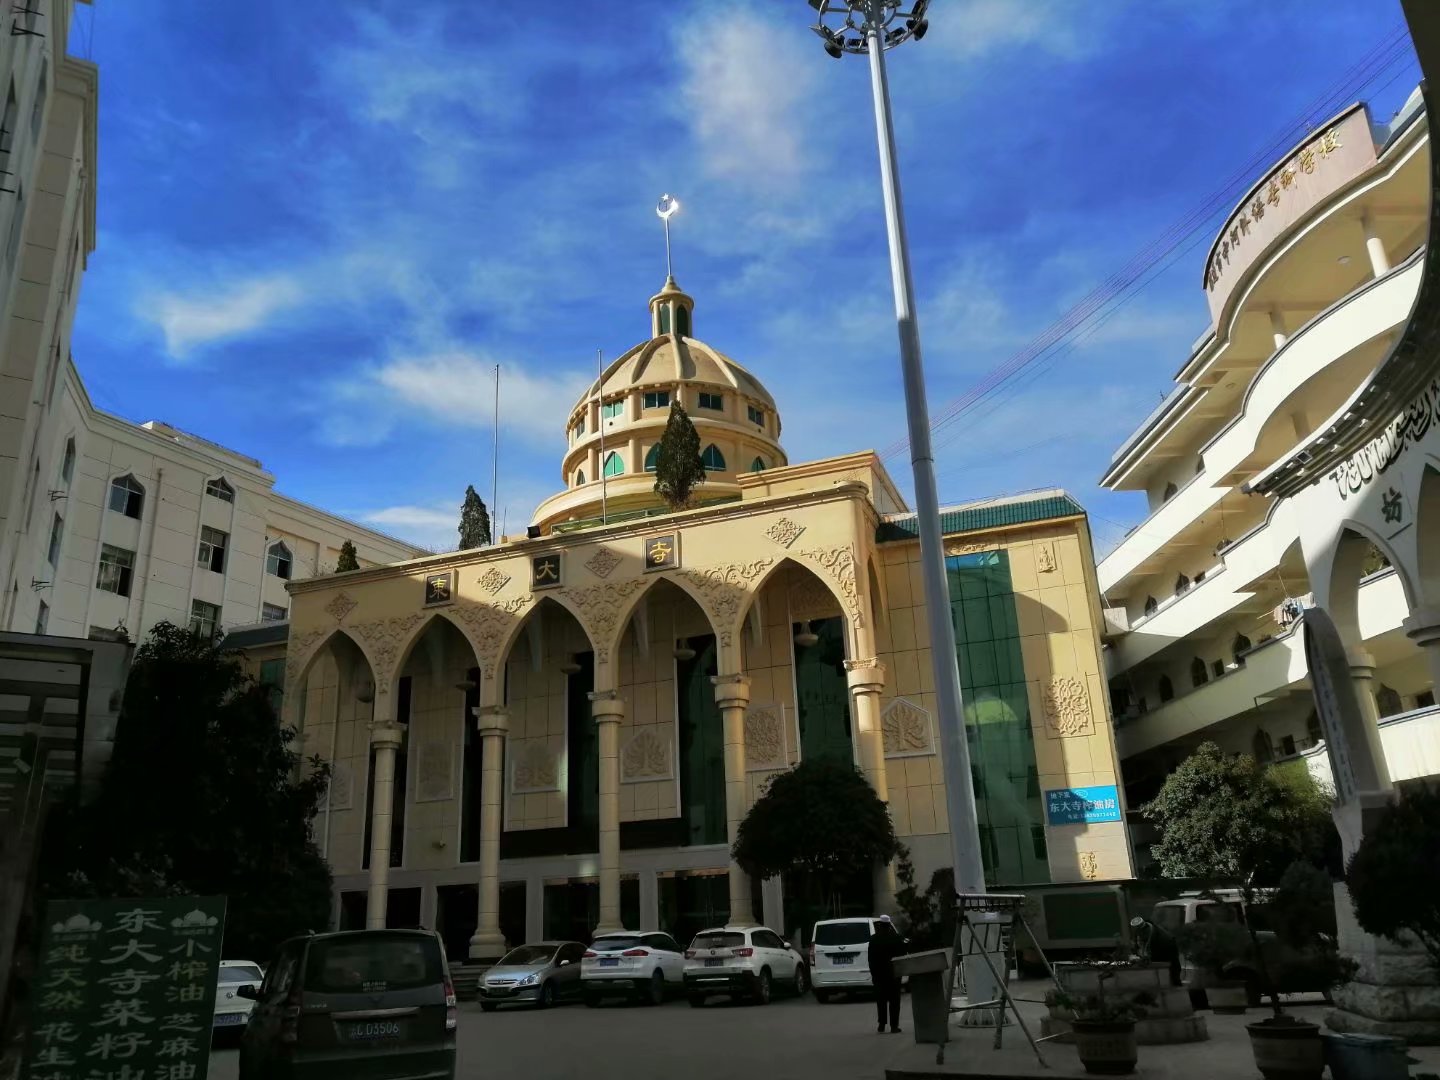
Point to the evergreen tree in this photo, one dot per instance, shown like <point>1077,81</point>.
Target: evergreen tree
<point>232,816</point>
<point>474,521</point>
<point>678,468</point>
<point>347,560</point>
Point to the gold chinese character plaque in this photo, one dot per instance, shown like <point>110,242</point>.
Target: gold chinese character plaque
<point>662,552</point>
<point>544,571</point>
<point>439,588</point>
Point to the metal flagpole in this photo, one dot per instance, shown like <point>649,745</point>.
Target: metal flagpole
<point>600,424</point>
<point>495,460</point>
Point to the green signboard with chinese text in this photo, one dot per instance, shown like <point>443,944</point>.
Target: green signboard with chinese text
<point>125,989</point>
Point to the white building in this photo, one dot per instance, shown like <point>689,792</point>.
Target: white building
<point>1311,285</point>
<point>106,524</point>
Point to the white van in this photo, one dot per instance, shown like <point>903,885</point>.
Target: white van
<point>839,956</point>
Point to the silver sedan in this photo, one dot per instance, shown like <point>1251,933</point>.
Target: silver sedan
<point>539,974</point>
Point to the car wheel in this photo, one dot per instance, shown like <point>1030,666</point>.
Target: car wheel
<point>822,996</point>
<point>547,996</point>
<point>655,992</point>
<point>697,1000</point>
<point>802,980</point>
<point>762,988</point>
<point>488,1006</point>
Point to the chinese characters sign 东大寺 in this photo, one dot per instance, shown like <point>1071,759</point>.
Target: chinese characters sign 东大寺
<point>1081,805</point>
<point>125,989</point>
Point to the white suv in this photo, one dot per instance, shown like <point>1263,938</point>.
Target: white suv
<point>840,956</point>
<point>742,961</point>
<point>644,964</point>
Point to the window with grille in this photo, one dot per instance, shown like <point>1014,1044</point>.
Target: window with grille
<point>278,561</point>
<point>273,613</point>
<point>212,549</point>
<point>116,566</point>
<point>204,618</point>
<point>220,489</point>
<point>127,496</point>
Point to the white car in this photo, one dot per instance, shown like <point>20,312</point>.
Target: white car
<point>742,961</point>
<point>232,1010</point>
<point>840,956</point>
<point>644,964</point>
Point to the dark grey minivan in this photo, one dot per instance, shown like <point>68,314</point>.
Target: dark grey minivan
<point>358,1005</point>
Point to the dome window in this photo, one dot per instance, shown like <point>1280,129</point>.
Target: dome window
<point>712,459</point>
<point>664,315</point>
<point>652,458</point>
<point>712,401</point>
<point>580,478</point>
<point>614,466</point>
<point>758,465</point>
<point>657,399</point>
<point>612,409</point>
<point>682,321</point>
<point>757,416</point>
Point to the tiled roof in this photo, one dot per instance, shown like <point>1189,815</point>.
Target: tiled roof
<point>248,637</point>
<point>992,514</point>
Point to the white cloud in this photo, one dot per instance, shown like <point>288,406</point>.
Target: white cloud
<point>743,90</point>
<point>974,28</point>
<point>202,318</point>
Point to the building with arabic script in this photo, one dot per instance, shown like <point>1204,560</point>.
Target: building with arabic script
<point>562,732</point>
<point>1269,494</point>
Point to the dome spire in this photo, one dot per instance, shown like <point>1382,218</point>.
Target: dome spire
<point>672,311</point>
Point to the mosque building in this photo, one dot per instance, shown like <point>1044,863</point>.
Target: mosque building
<point>562,732</point>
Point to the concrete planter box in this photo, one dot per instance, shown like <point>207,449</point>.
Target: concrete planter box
<point>1170,1019</point>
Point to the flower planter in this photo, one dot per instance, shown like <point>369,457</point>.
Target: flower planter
<point>1227,999</point>
<point>1287,1049</point>
<point>1106,1047</point>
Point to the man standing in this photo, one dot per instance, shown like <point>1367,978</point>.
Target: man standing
<point>885,945</point>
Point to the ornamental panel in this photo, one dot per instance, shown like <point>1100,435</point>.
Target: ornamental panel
<point>907,729</point>
<point>646,757</point>
<point>765,738</point>
<point>1067,707</point>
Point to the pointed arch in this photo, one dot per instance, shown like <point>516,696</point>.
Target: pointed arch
<point>1336,575</point>
<point>303,649</point>
<point>1427,532</point>
<point>126,496</point>
<point>407,646</point>
<point>614,464</point>
<point>652,458</point>
<point>491,679</point>
<point>681,581</point>
<point>813,564</point>
<point>217,487</point>
<point>713,459</point>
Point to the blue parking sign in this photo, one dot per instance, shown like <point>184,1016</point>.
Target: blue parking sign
<point>1082,805</point>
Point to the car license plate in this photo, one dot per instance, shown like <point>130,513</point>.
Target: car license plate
<point>228,1019</point>
<point>713,963</point>
<point>844,959</point>
<point>371,1030</point>
<point>609,961</point>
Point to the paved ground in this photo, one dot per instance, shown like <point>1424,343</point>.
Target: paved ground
<point>786,1040</point>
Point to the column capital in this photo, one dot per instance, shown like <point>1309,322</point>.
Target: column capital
<point>733,690</point>
<point>1362,663</point>
<point>491,718</point>
<point>865,676</point>
<point>1423,626</point>
<point>384,736</point>
<point>606,706</point>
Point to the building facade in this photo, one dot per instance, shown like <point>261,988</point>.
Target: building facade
<point>1312,285</point>
<point>563,732</point>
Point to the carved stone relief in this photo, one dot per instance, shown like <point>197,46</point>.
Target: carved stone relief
<point>1045,558</point>
<point>1067,707</point>
<point>433,779</point>
<point>489,625</point>
<point>645,757</point>
<point>1089,865</point>
<point>340,605</point>
<point>811,599</point>
<point>492,581</point>
<point>725,588</point>
<point>765,738</point>
<point>599,607</point>
<point>535,769</point>
<point>961,547</point>
<point>602,562</point>
<point>342,789</point>
<point>906,729</point>
<point>839,564</point>
<point>297,654</point>
<point>784,532</point>
<point>385,636</point>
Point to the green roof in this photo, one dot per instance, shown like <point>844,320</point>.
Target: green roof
<point>991,515</point>
<point>249,637</point>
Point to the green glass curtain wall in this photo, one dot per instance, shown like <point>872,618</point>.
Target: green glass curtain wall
<point>997,718</point>
<point>702,747</point>
<point>583,744</point>
<point>822,694</point>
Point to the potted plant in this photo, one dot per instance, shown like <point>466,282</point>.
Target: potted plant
<point>1230,817</point>
<point>1218,949</point>
<point>1104,1029</point>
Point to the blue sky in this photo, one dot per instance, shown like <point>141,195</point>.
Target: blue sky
<point>321,225</point>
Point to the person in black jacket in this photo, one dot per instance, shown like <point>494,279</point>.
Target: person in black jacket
<point>885,945</point>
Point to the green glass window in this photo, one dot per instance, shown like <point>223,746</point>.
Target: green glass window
<point>997,718</point>
<point>657,399</point>
<point>682,321</point>
<point>664,318</point>
<point>652,458</point>
<point>712,459</point>
<point>614,466</point>
<point>702,747</point>
<point>821,693</point>
<point>757,416</point>
<point>611,409</point>
<point>580,478</point>
<point>758,465</point>
<point>712,401</point>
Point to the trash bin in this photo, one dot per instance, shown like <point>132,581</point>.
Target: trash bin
<point>929,1006</point>
<point>1366,1057</point>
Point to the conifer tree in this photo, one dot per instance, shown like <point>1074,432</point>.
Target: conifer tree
<point>678,468</point>
<point>347,559</point>
<point>474,521</point>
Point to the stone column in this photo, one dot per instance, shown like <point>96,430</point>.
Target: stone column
<point>1362,674</point>
<point>385,740</point>
<point>1423,628</point>
<point>732,694</point>
<point>492,722</point>
<point>1375,247</point>
<point>1277,327</point>
<point>608,709</point>
<point>867,682</point>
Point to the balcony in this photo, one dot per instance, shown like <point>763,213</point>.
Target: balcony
<point>1411,741</point>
